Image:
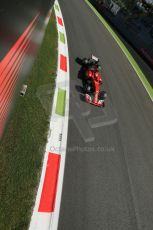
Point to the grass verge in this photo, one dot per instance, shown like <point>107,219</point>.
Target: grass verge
<point>22,146</point>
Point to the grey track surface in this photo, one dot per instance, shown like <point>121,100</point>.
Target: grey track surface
<point>108,181</point>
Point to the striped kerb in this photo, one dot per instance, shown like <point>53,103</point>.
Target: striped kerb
<point>62,37</point>
<point>63,63</point>
<point>60,105</point>
<point>60,22</point>
<point>48,195</point>
<point>56,7</point>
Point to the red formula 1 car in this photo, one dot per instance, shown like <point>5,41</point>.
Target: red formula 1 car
<point>92,82</point>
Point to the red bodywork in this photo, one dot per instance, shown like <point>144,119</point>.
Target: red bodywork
<point>97,81</point>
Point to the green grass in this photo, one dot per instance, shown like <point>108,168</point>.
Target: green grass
<point>22,146</point>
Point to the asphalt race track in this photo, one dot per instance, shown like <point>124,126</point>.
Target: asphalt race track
<point>108,181</point>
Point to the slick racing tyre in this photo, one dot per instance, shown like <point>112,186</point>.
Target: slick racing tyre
<point>85,61</point>
<point>102,95</point>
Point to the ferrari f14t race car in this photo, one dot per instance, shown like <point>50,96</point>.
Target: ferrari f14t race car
<point>92,81</point>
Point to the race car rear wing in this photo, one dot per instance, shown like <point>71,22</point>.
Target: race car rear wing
<point>95,58</point>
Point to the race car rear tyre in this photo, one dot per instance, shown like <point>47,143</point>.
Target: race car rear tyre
<point>84,61</point>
